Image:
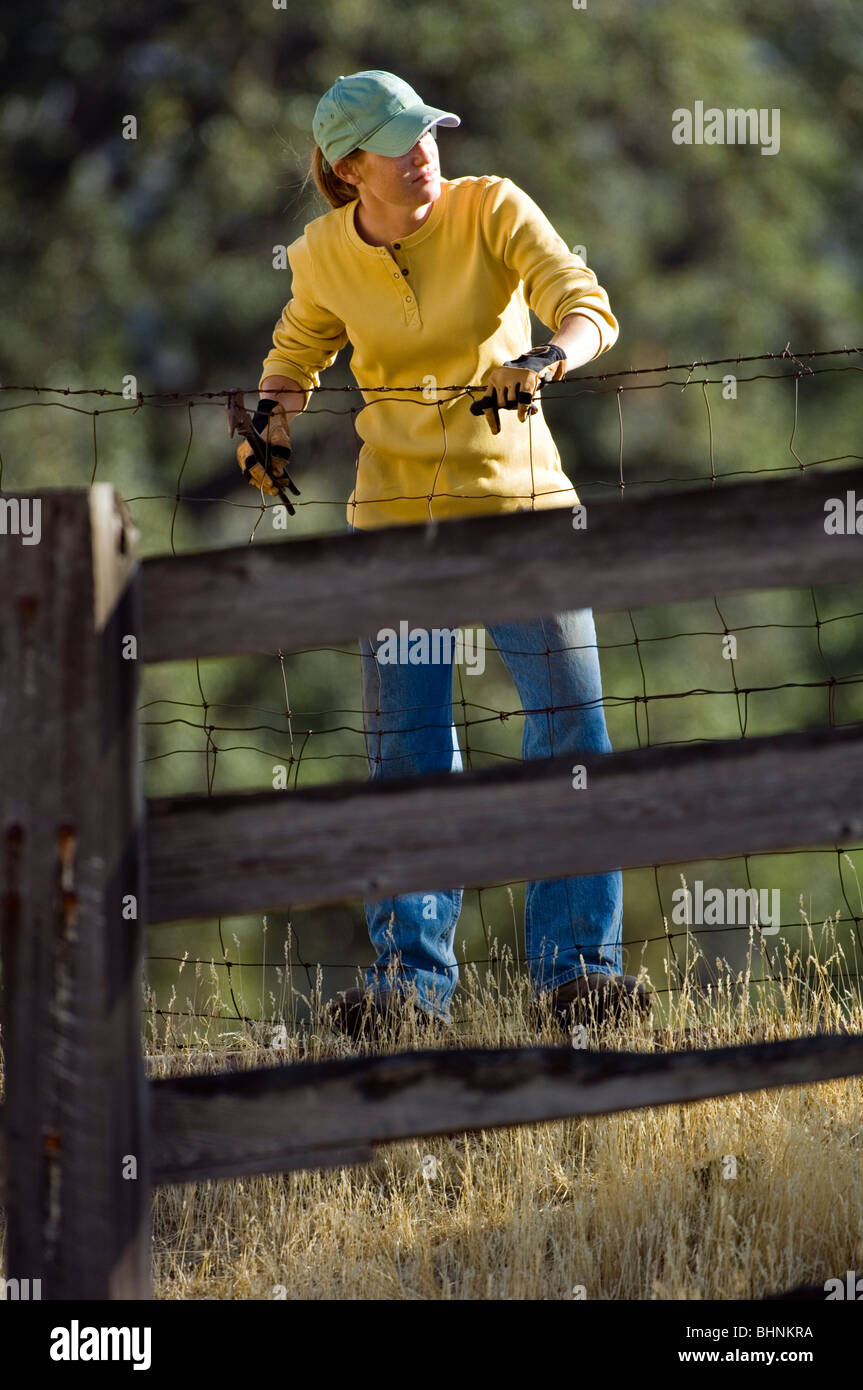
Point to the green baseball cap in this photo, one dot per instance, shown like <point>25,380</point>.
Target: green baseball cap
<point>373,111</point>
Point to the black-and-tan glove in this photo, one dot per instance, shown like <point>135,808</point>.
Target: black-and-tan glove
<point>265,450</point>
<point>514,385</point>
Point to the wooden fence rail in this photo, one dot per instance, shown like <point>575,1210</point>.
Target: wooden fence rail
<point>328,1114</point>
<point>76,1123</point>
<point>208,856</point>
<point>657,549</point>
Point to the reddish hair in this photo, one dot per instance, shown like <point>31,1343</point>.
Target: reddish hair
<point>328,183</point>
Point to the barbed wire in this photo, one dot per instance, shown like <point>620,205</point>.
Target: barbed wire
<point>222,395</point>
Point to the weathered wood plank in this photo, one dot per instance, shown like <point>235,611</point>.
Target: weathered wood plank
<point>231,854</point>
<point>281,1118</point>
<point>70,805</point>
<point>656,549</point>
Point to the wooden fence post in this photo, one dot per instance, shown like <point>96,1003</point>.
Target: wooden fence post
<point>75,1121</point>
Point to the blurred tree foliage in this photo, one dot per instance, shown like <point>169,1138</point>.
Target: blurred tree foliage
<point>153,258</point>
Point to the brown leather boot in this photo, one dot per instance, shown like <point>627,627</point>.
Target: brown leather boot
<point>360,1012</point>
<point>600,998</point>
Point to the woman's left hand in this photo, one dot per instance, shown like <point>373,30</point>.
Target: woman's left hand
<point>514,384</point>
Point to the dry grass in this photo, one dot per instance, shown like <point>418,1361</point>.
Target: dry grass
<point>641,1205</point>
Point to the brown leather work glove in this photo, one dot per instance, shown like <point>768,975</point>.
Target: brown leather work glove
<point>513,385</point>
<point>273,445</point>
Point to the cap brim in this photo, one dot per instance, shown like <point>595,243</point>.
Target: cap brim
<point>402,132</point>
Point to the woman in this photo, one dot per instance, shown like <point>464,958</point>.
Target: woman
<point>430,280</point>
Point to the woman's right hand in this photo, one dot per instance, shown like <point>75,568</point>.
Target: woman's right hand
<point>270,424</point>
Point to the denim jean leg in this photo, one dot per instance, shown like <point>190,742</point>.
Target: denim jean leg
<point>409,731</point>
<point>574,924</point>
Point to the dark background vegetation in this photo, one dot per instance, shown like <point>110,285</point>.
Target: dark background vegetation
<point>153,258</point>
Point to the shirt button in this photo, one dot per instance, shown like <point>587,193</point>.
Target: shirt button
<point>408,299</point>
<point>397,246</point>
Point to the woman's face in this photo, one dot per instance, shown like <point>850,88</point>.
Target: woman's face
<point>405,181</point>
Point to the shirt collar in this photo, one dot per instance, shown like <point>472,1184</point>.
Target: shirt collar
<point>413,239</point>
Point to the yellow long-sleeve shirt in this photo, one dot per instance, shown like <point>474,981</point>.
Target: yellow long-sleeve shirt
<point>448,305</point>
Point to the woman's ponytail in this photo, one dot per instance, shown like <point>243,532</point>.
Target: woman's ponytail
<point>334,189</point>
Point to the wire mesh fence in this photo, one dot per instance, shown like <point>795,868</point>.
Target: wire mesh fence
<point>731,667</point>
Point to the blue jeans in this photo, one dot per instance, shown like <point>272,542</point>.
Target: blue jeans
<point>572,925</point>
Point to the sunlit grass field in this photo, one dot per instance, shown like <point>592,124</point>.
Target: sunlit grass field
<point>733,1198</point>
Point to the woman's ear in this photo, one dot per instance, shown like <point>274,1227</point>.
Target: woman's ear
<point>346,170</point>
